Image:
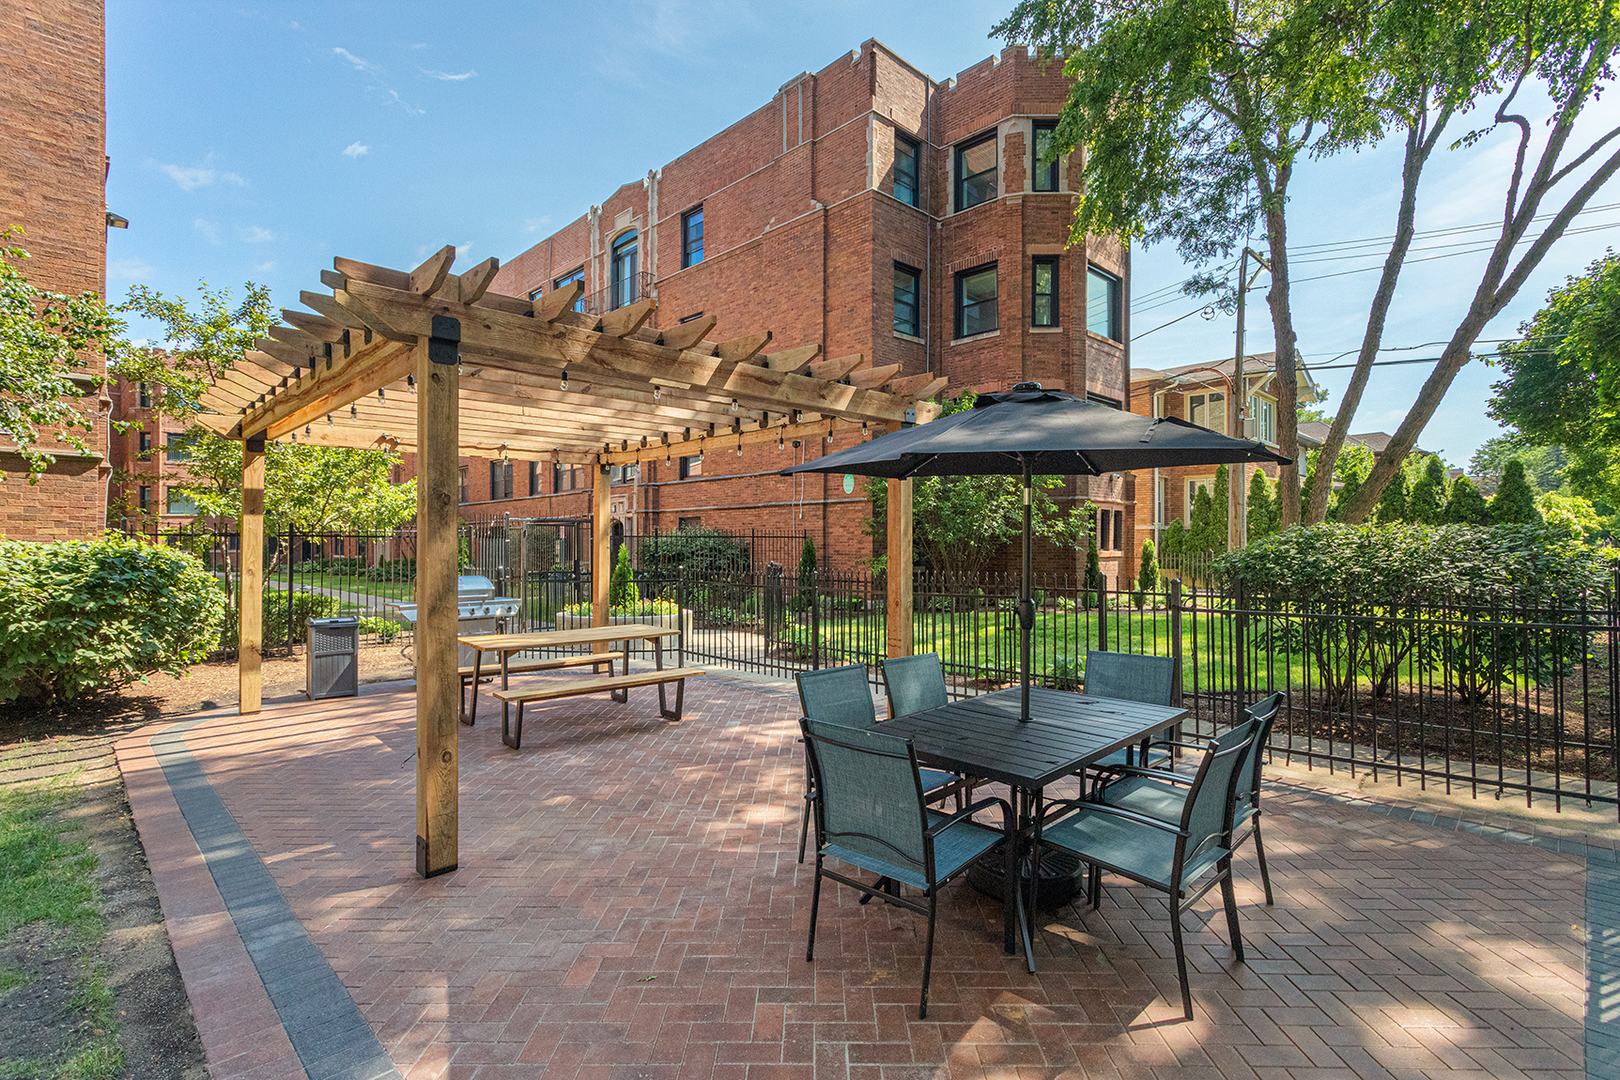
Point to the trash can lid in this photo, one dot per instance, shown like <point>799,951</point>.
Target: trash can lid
<point>337,620</point>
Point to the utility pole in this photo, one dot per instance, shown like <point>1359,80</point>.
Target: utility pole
<point>1237,530</point>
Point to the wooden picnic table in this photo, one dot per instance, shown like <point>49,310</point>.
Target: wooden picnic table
<point>508,645</point>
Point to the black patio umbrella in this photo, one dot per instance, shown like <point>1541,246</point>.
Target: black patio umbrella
<point>1028,432</point>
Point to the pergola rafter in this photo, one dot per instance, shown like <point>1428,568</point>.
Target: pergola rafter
<point>435,363</point>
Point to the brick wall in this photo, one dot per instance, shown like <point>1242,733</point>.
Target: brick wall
<point>53,143</point>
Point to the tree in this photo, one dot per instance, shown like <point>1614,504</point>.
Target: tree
<point>1262,510</point>
<point>1515,503</point>
<point>1544,466</point>
<point>1221,520</point>
<point>960,524</point>
<point>1095,585</point>
<point>1350,471</point>
<point>1392,503</point>
<point>43,339</point>
<point>806,600</point>
<point>1147,574</point>
<point>1466,506</point>
<point>1571,515</point>
<point>1204,533</point>
<point>1428,495</point>
<point>1173,542</point>
<point>1559,380</point>
<point>1195,112</point>
<point>622,591</point>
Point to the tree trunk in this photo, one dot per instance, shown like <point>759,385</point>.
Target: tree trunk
<point>1282,321</point>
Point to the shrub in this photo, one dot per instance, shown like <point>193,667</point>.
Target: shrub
<point>305,606</point>
<point>807,578</point>
<point>705,552</point>
<point>622,591</point>
<point>1515,503</point>
<point>1067,672</point>
<point>1147,577</point>
<point>84,616</point>
<point>393,570</point>
<point>385,629</point>
<point>1174,540</point>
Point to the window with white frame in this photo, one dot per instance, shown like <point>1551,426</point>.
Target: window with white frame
<point>1262,422</point>
<point>1208,410</point>
<point>1205,482</point>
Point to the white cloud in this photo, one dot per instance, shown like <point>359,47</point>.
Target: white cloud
<point>191,178</point>
<point>446,76</point>
<point>208,229</point>
<point>462,249</point>
<point>131,270</point>
<point>356,150</point>
<point>359,64</point>
<point>536,224</point>
<point>264,267</point>
<point>256,234</point>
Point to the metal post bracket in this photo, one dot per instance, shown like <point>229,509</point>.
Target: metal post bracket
<point>444,341</point>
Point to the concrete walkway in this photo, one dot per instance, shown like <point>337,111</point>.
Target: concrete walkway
<point>629,905</point>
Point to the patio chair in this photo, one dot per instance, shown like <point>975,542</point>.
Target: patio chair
<point>870,815</point>
<point>914,683</point>
<point>1128,677</point>
<point>1162,794</point>
<point>840,695</point>
<point>1171,857</point>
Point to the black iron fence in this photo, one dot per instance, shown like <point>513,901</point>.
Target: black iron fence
<point>1517,700</point>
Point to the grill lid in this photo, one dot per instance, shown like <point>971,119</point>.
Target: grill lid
<point>471,587</point>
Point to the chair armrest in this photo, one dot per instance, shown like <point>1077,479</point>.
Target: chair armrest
<point>1152,774</point>
<point>967,812</point>
<point>1202,743</point>
<point>1129,815</point>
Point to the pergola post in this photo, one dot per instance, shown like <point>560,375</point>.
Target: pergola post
<point>601,548</point>
<point>437,524</point>
<point>902,631</point>
<point>250,579</point>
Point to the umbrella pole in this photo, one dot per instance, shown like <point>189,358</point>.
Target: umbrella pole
<point>1026,607</point>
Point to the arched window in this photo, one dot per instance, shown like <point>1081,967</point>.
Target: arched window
<point>623,281</point>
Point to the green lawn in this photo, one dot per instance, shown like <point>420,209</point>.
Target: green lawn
<point>350,583</point>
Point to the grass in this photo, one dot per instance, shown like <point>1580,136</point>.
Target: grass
<point>349,583</point>
<point>46,874</point>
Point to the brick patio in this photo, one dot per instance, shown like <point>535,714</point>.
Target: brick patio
<point>629,905</point>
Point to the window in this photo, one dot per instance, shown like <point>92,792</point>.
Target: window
<point>462,473</point>
<point>179,503</point>
<point>906,320</point>
<point>1046,172</point>
<point>535,293</point>
<point>906,152</point>
<point>500,479</point>
<point>976,171</point>
<point>146,497</point>
<point>623,474</point>
<point>1262,422</point>
<point>1102,303</point>
<point>337,545</point>
<point>1208,410</point>
<point>1119,530</point>
<point>691,466</point>
<point>143,441</point>
<point>622,280</point>
<point>692,237</point>
<point>1046,291</point>
<point>976,301</point>
<point>1160,493</point>
<point>689,523</point>
<point>534,478</point>
<point>568,279</point>
<point>1104,520</point>
<point>694,315</point>
<point>143,396</point>
<point>1102,399</point>
<point>1207,483</point>
<point>566,478</point>
<point>176,443</point>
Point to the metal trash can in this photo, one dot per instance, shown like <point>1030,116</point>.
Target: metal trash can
<point>333,658</point>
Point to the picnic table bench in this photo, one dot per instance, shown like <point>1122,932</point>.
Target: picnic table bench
<point>616,686</point>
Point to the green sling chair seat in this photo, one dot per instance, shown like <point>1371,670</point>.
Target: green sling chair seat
<point>840,695</point>
<point>1172,857</point>
<point>870,815</point>
<point>1163,794</point>
<point>1128,677</point>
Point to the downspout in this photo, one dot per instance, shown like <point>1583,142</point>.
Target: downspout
<point>1158,496</point>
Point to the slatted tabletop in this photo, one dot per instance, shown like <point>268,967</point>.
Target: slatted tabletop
<point>550,639</point>
<point>983,736</point>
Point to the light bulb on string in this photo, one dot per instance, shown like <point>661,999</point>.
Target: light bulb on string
<point>306,431</point>
<point>380,396</point>
<point>780,440</point>
<point>328,419</point>
<point>410,381</point>
<point>354,412</point>
<point>564,384</point>
<point>658,392</point>
<point>734,405</point>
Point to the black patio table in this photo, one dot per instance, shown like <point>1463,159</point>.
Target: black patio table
<point>984,737</point>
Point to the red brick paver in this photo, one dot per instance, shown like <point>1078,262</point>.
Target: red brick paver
<point>629,905</point>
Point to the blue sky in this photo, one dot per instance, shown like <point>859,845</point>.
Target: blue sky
<point>256,142</point>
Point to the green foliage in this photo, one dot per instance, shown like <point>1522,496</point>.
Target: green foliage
<point>1515,503</point>
<point>1067,672</point>
<point>1205,534</point>
<point>1428,495</point>
<point>1392,503</point>
<point>44,337</point>
<point>1571,515</point>
<point>1173,541</point>
<point>1544,466</point>
<point>960,524</point>
<point>1350,470</point>
<point>1221,506</point>
<point>1094,575</point>
<point>80,617</point>
<point>704,551</point>
<point>1466,506</point>
<point>1561,386</point>
<point>1317,575</point>
<point>622,591</point>
<point>640,607</point>
<point>385,629</point>
<point>806,598</point>
<point>305,606</point>
<point>1261,513</point>
<point>1147,574</point>
<point>45,870</point>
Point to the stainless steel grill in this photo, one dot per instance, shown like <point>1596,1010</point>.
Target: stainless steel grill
<point>478,611</point>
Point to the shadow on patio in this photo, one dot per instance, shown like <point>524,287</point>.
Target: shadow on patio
<point>629,905</point>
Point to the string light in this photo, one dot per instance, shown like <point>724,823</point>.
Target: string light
<point>306,431</point>
<point>564,385</point>
<point>410,381</point>
<point>739,444</point>
<point>354,412</point>
<point>734,405</point>
<point>380,396</point>
<point>863,429</point>
<point>779,439</point>
<point>658,392</point>
<point>328,419</point>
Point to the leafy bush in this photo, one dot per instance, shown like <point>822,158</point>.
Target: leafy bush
<point>700,551</point>
<point>1147,576</point>
<point>798,643</point>
<point>385,629</point>
<point>98,615</point>
<point>807,578</point>
<point>1483,605</point>
<point>305,606</point>
<point>393,570</point>
<point>1067,672</point>
<point>641,607</point>
<point>622,591</point>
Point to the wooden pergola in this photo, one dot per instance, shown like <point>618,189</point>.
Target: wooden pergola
<point>434,363</point>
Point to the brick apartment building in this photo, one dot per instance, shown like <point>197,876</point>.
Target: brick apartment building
<point>1202,393</point>
<point>875,210</point>
<point>148,460</point>
<point>53,121</point>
